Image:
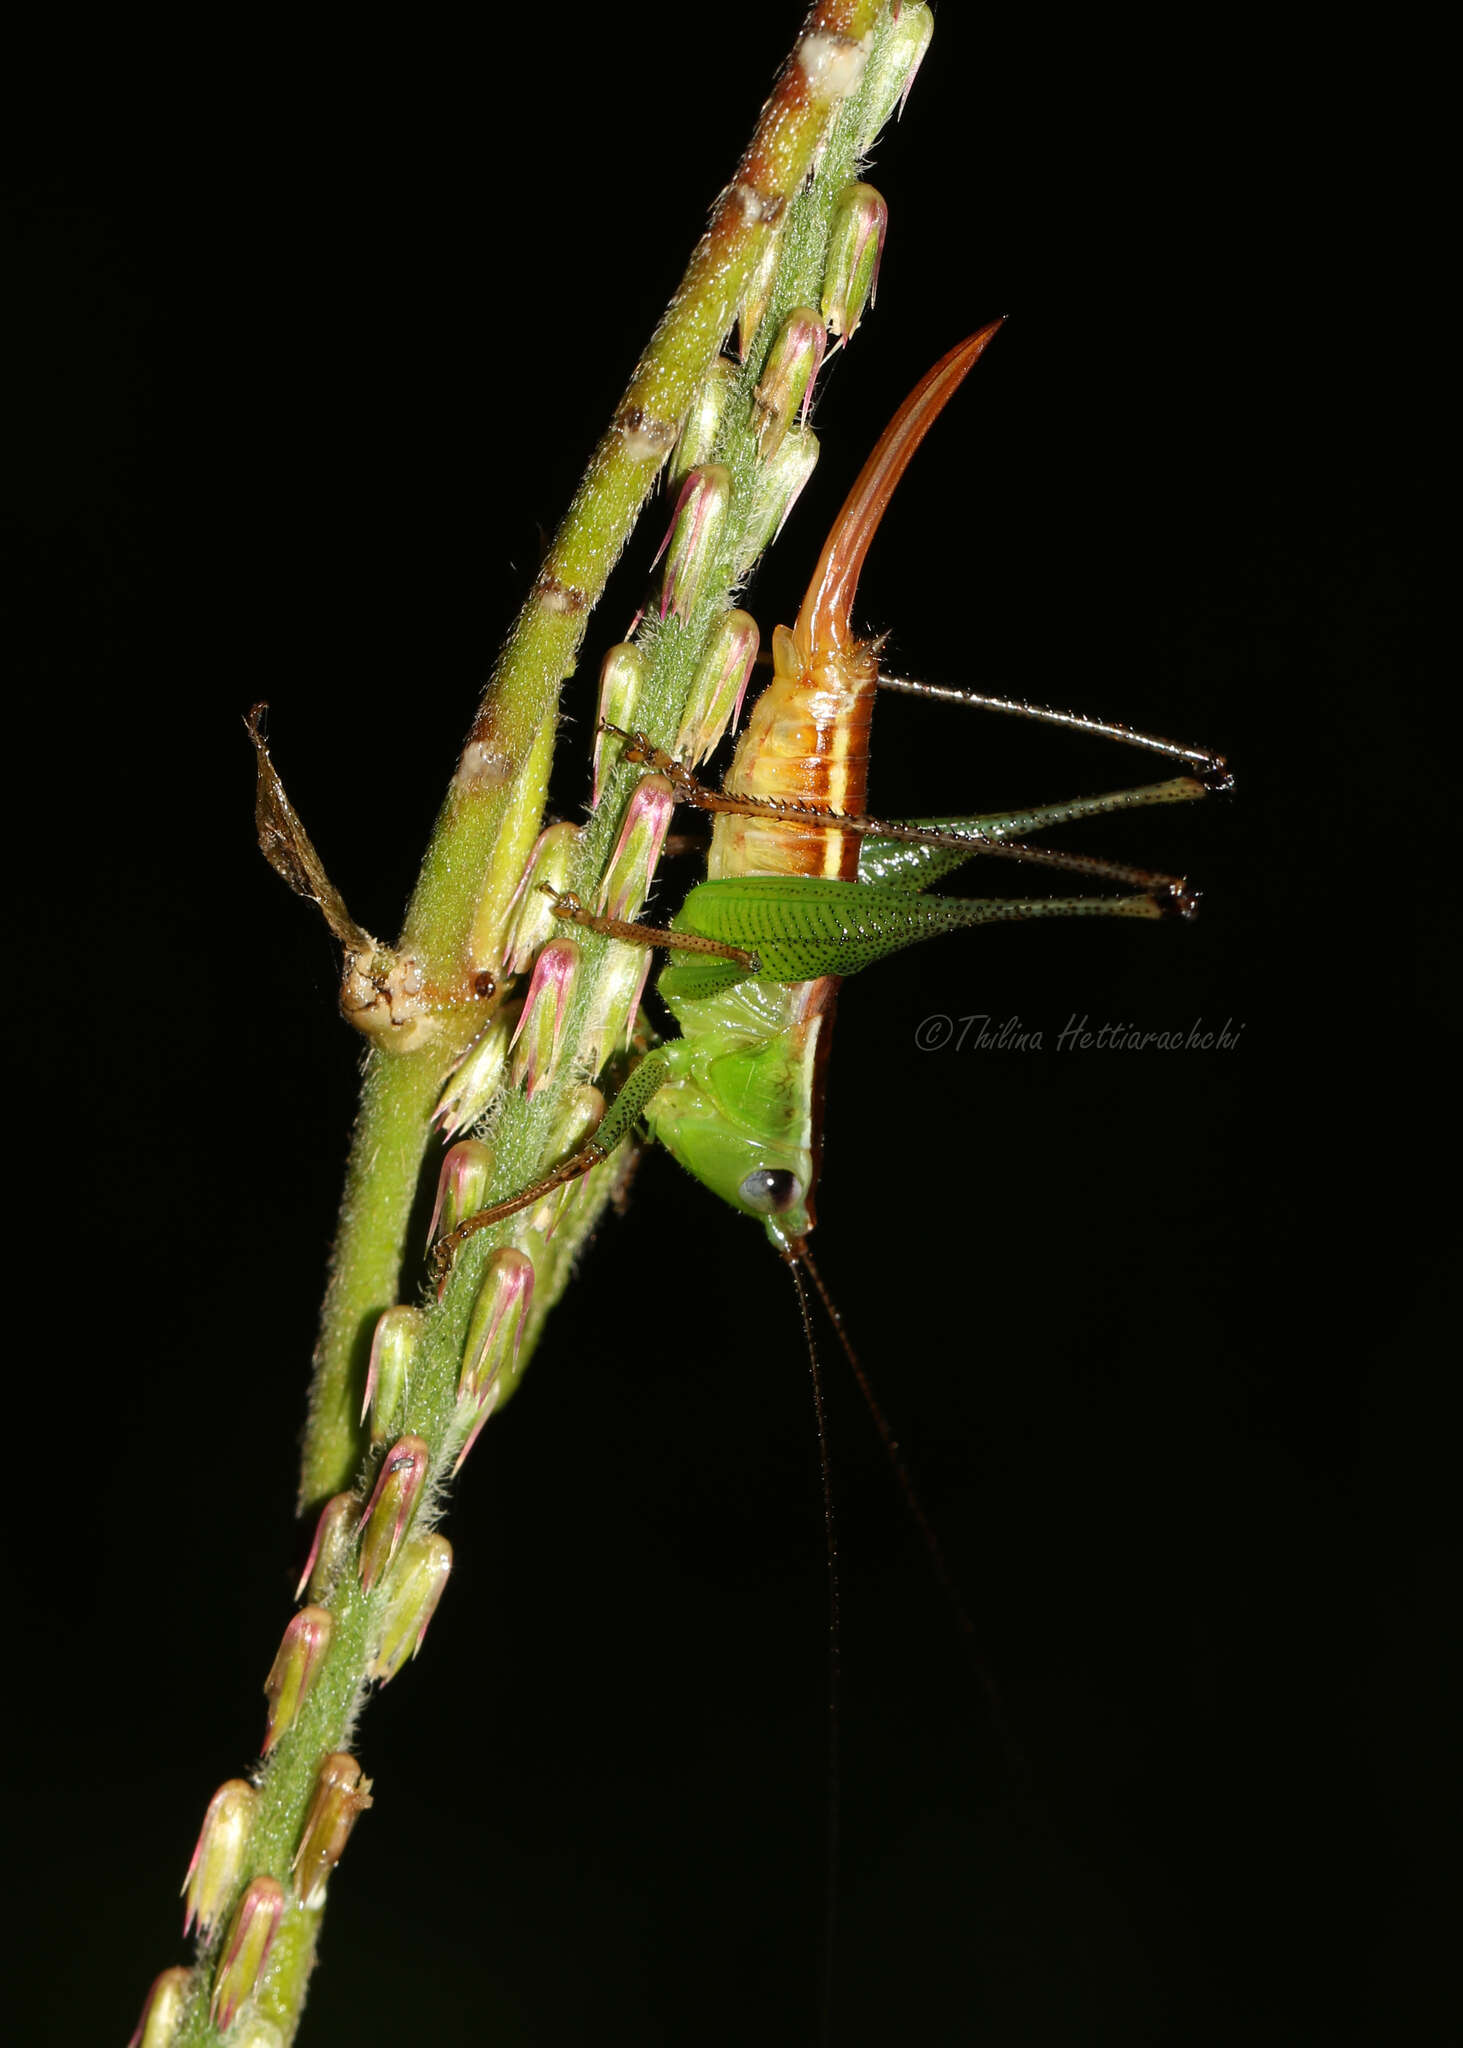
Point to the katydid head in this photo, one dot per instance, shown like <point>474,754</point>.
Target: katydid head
<point>769,1177</point>
<point>742,1111</point>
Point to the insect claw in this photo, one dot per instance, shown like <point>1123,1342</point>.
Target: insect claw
<point>1217,776</point>
<point>637,744</point>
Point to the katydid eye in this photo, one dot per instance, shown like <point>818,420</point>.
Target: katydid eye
<point>770,1190</point>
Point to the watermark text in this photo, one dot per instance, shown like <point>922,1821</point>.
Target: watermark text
<point>977,1032</point>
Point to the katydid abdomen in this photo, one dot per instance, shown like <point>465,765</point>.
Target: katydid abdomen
<point>806,743</point>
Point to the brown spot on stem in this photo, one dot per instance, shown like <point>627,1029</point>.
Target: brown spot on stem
<point>555,596</point>
<point>644,435</point>
<point>832,63</point>
<point>484,766</point>
<point>759,208</point>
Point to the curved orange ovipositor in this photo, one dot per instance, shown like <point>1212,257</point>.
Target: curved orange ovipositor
<point>806,741</point>
<point>824,620</point>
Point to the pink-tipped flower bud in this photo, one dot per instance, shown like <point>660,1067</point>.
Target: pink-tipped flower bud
<point>462,1186</point>
<point>540,1034</point>
<point>412,1592</point>
<point>693,542</point>
<point>891,70</point>
<point>495,1328</point>
<point>392,1505</point>
<point>788,376</point>
<point>341,1797</point>
<point>719,686</point>
<point>218,1856</point>
<point>475,1079</point>
<point>583,1113</point>
<point>696,442</point>
<point>616,1003</point>
<point>485,1408</point>
<point>530,913</point>
<point>637,850</point>
<point>294,1671</point>
<point>334,1533</point>
<point>757,293</point>
<point>621,678</point>
<point>779,486</point>
<point>394,1344</point>
<point>855,245</point>
<point>162,2010</point>
<point>250,1938</point>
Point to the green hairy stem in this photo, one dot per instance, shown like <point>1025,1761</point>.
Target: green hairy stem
<point>494,807</point>
<point>803,153</point>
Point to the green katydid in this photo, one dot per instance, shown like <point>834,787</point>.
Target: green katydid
<point>804,887</point>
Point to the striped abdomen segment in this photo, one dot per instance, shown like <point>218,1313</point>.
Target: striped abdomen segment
<point>806,743</point>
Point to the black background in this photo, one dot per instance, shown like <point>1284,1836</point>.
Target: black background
<point>313,349</point>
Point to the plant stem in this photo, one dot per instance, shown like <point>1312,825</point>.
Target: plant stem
<point>803,153</point>
<point>494,805</point>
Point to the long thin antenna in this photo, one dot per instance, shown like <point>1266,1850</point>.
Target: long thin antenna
<point>830,1533</point>
<point>1211,769</point>
<point>948,1583</point>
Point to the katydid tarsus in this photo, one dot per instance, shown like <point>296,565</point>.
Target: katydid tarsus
<point>804,887</point>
